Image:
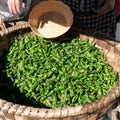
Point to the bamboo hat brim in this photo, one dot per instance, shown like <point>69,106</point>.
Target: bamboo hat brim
<point>50,19</point>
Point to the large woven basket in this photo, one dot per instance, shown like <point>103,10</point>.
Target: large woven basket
<point>92,111</point>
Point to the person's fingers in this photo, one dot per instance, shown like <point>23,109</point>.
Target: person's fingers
<point>17,7</point>
<point>102,10</point>
<point>14,6</point>
<point>24,3</point>
<point>108,5</point>
<point>100,2</point>
<point>10,6</point>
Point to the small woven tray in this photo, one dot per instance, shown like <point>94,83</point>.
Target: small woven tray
<point>91,111</point>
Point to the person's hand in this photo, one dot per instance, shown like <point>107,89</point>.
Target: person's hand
<point>104,6</point>
<point>14,6</point>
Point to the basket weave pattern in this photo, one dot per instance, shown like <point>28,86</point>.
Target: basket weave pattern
<point>92,111</point>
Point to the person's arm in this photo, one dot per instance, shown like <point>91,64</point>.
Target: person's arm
<point>104,6</point>
<point>14,6</point>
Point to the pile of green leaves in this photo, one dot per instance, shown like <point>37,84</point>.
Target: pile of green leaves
<point>59,74</point>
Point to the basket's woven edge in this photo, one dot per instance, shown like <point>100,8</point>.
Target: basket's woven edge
<point>2,25</point>
<point>55,113</point>
<point>14,28</point>
<point>21,110</point>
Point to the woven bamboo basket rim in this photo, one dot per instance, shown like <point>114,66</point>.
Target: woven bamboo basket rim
<point>43,113</point>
